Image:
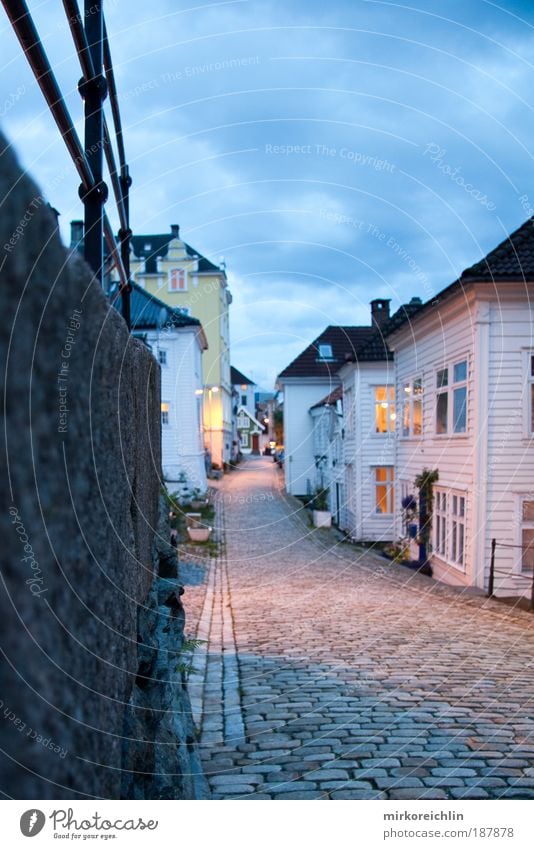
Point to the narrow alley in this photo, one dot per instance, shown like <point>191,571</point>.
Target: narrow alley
<point>330,673</point>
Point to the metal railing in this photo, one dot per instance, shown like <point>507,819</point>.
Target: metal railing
<point>494,570</point>
<point>92,47</point>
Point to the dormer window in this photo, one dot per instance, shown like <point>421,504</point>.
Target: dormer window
<point>148,246</point>
<point>325,352</point>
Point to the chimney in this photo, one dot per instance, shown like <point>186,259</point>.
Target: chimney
<point>76,234</point>
<point>175,231</point>
<point>416,302</point>
<point>379,312</point>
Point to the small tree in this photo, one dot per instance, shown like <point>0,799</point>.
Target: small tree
<point>425,483</point>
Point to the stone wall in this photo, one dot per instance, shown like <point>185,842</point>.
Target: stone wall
<point>81,465</point>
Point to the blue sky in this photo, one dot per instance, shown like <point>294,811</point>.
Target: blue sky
<point>330,152</point>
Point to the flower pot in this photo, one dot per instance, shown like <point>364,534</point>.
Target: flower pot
<point>193,520</point>
<point>199,534</point>
<point>322,518</point>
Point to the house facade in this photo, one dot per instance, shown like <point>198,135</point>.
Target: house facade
<point>168,268</point>
<point>249,431</point>
<point>465,389</point>
<point>312,376</point>
<point>178,343</point>
<point>328,433</point>
<point>369,477</point>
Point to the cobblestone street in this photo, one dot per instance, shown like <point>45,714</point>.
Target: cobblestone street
<point>329,673</point>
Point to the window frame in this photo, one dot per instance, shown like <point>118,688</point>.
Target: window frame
<point>529,383</point>
<point>389,405</point>
<point>408,403</point>
<point>449,526</point>
<point>449,389</point>
<point>165,422</point>
<point>162,352</point>
<point>521,525</point>
<point>170,287</point>
<point>389,484</point>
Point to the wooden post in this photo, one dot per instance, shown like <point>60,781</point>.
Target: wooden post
<point>491,582</point>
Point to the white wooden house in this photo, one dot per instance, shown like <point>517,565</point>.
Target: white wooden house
<point>177,341</point>
<point>465,388</point>
<point>249,430</point>
<point>327,424</point>
<point>308,380</point>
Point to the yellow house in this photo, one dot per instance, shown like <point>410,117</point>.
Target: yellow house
<point>169,268</point>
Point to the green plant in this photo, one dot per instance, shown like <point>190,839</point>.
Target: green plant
<point>425,483</point>
<point>185,668</point>
<point>320,499</point>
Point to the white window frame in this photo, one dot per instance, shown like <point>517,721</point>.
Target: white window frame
<point>243,439</point>
<point>529,383</point>
<point>449,519</point>
<point>162,357</point>
<point>389,483</point>
<point>449,390</point>
<point>408,400</point>
<point>322,355</point>
<point>520,525</point>
<point>174,289</point>
<point>243,421</point>
<point>389,406</point>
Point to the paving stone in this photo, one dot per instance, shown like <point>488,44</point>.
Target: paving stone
<point>381,696</point>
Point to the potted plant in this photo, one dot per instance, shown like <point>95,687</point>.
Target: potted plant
<point>198,501</point>
<point>322,517</point>
<point>197,531</point>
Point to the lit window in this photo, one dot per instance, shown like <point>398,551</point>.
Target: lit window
<point>165,413</point>
<point>325,352</point>
<point>384,489</point>
<point>412,407</point>
<point>449,526</point>
<point>162,357</point>
<point>177,280</point>
<point>384,409</point>
<point>527,535</point>
<point>451,399</point>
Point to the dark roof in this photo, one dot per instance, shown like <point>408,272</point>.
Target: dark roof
<point>512,260</point>
<point>148,312</point>
<point>330,399</point>
<point>346,342</point>
<point>159,247</point>
<point>237,377</point>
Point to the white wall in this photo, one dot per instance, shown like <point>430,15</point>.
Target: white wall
<point>182,439</point>
<point>299,463</point>
<point>364,450</point>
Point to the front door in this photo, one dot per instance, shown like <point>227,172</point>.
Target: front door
<point>255,443</point>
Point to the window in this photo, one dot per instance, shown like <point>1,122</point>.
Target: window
<point>242,420</point>
<point>177,280</point>
<point>449,526</point>
<point>162,357</point>
<point>451,399</point>
<point>244,400</point>
<point>325,352</point>
<point>531,395</point>
<point>527,534</point>
<point>384,489</point>
<point>165,413</point>
<point>384,409</point>
<point>243,440</point>
<point>412,407</point>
